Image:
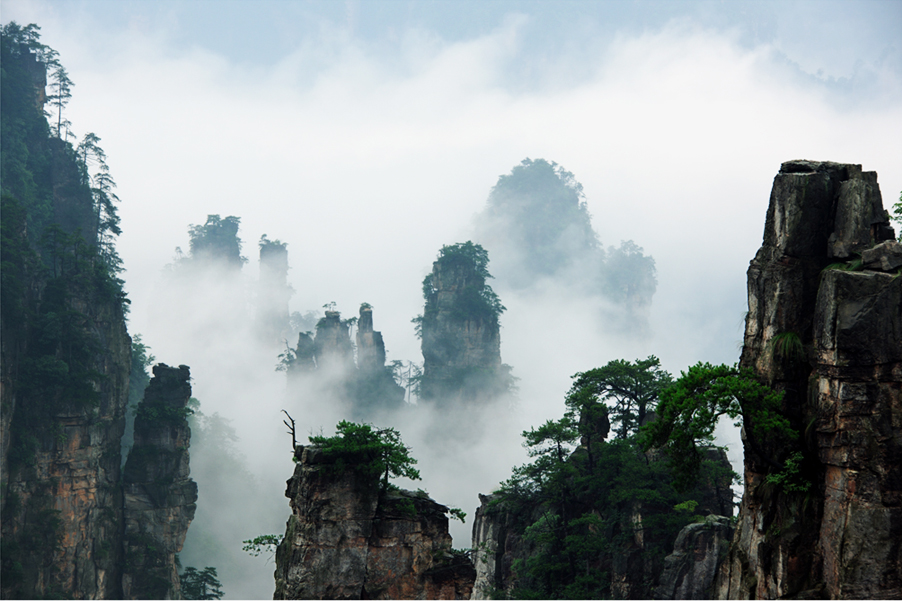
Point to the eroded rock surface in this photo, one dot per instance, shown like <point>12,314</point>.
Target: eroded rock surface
<point>347,540</point>
<point>839,533</point>
<point>697,553</point>
<point>461,340</point>
<point>159,496</point>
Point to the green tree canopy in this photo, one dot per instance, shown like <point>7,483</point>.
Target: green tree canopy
<point>631,390</point>
<point>368,451</point>
<point>575,502</point>
<point>629,276</point>
<point>200,585</point>
<point>217,240</point>
<point>477,299</point>
<point>692,405</point>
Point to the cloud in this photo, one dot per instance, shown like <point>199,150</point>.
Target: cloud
<point>367,157</point>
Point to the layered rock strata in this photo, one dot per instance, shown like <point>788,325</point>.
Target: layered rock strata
<point>825,328</point>
<point>346,539</point>
<point>65,359</point>
<point>159,496</point>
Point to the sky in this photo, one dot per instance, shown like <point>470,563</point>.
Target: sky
<point>368,134</point>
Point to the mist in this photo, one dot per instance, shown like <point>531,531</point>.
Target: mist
<point>367,135</point>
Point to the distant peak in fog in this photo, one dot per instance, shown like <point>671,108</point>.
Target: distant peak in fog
<point>537,226</point>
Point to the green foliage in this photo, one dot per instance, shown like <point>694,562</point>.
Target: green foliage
<point>788,347</point>
<point>406,507</point>
<point>58,368</point>
<point>418,324</point>
<point>629,276</point>
<point>266,244</point>
<point>265,543</point>
<point>32,551</point>
<point>200,585</point>
<point>687,506</point>
<point>852,265</point>
<point>791,479</point>
<point>897,216</point>
<point>164,413</point>
<point>217,240</point>
<point>458,514</point>
<point>369,452</point>
<point>139,378</point>
<point>539,207</point>
<point>575,502</point>
<point>630,389</point>
<point>476,300</point>
<point>691,406</point>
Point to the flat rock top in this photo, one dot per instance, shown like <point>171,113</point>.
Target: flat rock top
<point>806,166</point>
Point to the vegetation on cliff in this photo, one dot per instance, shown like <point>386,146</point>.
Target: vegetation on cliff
<point>59,265</point>
<point>217,241</point>
<point>690,409</point>
<point>460,329</point>
<point>584,504</point>
<point>371,453</point>
<point>476,299</point>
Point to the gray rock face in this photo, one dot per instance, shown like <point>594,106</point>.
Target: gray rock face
<point>346,540</point>
<point>886,256</point>
<point>841,393</point>
<point>62,508</point>
<point>697,553</point>
<point>370,347</point>
<point>159,496</point>
<point>461,348</point>
<point>273,293</point>
<point>332,345</point>
<point>496,546</point>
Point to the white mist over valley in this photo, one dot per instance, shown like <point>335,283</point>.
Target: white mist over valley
<point>367,135</point>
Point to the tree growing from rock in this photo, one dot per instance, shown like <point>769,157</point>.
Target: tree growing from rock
<point>371,452</point>
<point>691,407</point>
<point>576,503</point>
<point>630,389</point>
<point>217,240</point>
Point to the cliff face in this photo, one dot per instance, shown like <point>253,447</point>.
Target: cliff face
<point>346,540</point>
<point>62,501</point>
<point>159,496</point>
<point>374,387</point>
<point>838,533</point>
<point>65,359</point>
<point>273,293</point>
<point>332,345</point>
<point>370,347</point>
<point>699,549</point>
